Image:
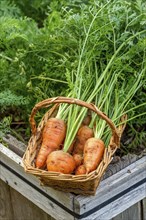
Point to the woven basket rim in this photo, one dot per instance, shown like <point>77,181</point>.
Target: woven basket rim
<point>57,100</point>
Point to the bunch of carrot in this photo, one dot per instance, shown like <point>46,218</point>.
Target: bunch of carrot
<point>84,140</point>
<point>82,157</point>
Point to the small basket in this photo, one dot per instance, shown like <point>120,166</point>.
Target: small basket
<point>79,184</point>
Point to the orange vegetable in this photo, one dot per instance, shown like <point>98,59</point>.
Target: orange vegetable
<point>78,148</point>
<point>60,161</point>
<point>78,159</point>
<point>93,153</point>
<point>80,170</point>
<point>84,133</point>
<point>52,137</point>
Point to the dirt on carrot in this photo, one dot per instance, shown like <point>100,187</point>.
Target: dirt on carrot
<point>80,170</point>
<point>60,161</point>
<point>93,153</point>
<point>78,159</point>
<point>52,137</point>
<point>84,133</point>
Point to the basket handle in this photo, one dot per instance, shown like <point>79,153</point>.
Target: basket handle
<point>47,102</point>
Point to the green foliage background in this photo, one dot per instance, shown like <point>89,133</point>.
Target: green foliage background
<point>40,41</point>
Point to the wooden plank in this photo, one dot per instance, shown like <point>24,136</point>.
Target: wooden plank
<point>112,191</point>
<point>118,164</point>
<point>121,204</point>
<point>24,209</point>
<point>132,213</point>
<point>29,186</point>
<point>114,186</point>
<point>15,145</point>
<point>15,162</point>
<point>37,197</point>
<point>6,210</point>
<point>144,208</point>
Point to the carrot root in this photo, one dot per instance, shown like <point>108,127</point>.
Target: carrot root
<point>52,137</point>
<point>60,161</point>
<point>78,158</point>
<point>80,170</point>
<point>93,153</point>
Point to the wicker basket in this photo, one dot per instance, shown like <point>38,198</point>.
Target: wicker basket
<point>83,184</point>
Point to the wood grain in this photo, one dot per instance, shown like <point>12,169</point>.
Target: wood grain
<point>6,210</point>
<point>132,213</point>
<point>14,206</point>
<point>144,207</point>
<point>15,145</point>
<point>26,210</point>
<point>77,204</point>
<point>25,187</point>
<point>112,186</point>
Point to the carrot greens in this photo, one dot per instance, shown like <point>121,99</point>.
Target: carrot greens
<point>106,93</point>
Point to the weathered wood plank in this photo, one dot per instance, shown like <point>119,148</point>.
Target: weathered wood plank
<point>118,164</point>
<point>15,162</point>
<point>34,196</point>
<point>121,204</point>
<point>112,197</point>
<point>132,213</point>
<point>15,145</point>
<point>44,197</point>
<point>6,210</point>
<point>114,186</point>
<point>24,209</point>
<point>144,208</point>
<point>14,206</point>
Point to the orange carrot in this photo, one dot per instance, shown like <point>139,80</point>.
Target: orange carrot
<point>53,135</point>
<point>78,159</point>
<point>78,148</point>
<point>60,161</point>
<point>83,135</point>
<point>80,170</point>
<point>93,153</point>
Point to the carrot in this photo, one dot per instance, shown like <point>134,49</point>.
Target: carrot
<point>78,159</point>
<point>78,148</point>
<point>52,137</point>
<point>60,161</point>
<point>80,170</point>
<point>93,153</point>
<point>84,133</point>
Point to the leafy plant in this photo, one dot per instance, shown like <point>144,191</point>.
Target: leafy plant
<point>5,126</point>
<point>41,45</point>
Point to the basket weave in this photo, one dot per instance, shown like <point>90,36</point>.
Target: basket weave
<point>83,184</point>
